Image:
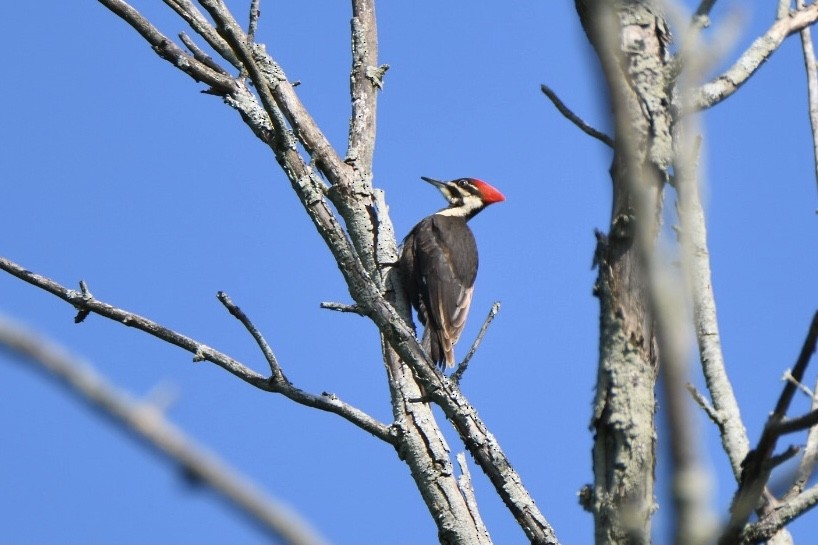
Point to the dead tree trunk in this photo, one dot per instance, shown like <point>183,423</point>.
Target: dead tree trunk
<point>631,40</point>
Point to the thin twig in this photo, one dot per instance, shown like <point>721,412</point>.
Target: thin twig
<point>341,307</point>
<point>800,423</point>
<point>798,370</point>
<point>808,461</point>
<point>239,314</point>
<point>789,378</point>
<point>147,423</point>
<point>254,15</point>
<point>82,314</point>
<point>461,369</point>
<point>778,459</point>
<point>811,68</point>
<point>200,55</point>
<point>702,402</point>
<point>574,118</point>
<point>202,352</point>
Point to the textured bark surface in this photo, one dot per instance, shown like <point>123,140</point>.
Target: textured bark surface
<point>630,39</point>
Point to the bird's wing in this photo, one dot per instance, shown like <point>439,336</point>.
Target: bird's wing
<point>449,279</point>
<point>406,266</point>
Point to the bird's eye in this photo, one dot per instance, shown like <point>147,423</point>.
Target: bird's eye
<point>466,184</point>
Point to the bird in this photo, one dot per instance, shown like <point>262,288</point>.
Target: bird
<point>438,264</point>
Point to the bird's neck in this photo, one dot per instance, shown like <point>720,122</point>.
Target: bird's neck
<point>465,208</point>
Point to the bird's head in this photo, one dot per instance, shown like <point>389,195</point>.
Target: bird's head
<point>466,196</point>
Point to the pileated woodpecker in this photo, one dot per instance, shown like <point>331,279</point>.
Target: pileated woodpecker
<point>438,264</point>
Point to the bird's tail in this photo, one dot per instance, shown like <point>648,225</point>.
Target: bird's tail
<point>440,351</point>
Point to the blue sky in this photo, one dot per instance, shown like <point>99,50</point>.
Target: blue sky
<point>119,172</point>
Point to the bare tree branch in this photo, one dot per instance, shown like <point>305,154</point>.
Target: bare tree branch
<point>779,517</point>
<point>367,294</point>
<point>693,237</point>
<point>792,425</point>
<point>200,55</point>
<point>199,23</point>
<point>255,13</point>
<point>705,405</point>
<point>574,118</point>
<point>751,60</point>
<point>694,521</point>
<point>783,8</point>
<point>788,377</point>
<point>202,352</point>
<point>426,452</point>
<point>341,307</point>
<point>237,41</point>
<point>482,445</point>
<point>167,49</point>
<point>467,489</point>
<point>147,423</point>
<point>797,371</point>
<point>757,466</point>
<point>811,68</point>
<point>365,81</point>
<point>277,375</point>
<point>277,94</point>
<point>353,196</point>
<point>810,457</point>
<point>632,42</point>
<point>461,369</point>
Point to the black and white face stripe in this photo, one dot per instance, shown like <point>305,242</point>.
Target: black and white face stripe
<point>457,191</point>
<point>463,196</point>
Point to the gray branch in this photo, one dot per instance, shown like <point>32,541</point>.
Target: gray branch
<point>696,261</point>
<point>760,461</point>
<point>783,514</point>
<point>202,352</point>
<point>167,49</point>
<point>812,86</point>
<point>751,60</point>
<point>365,82</point>
<point>461,369</point>
<point>574,118</point>
<point>147,423</point>
<point>810,458</point>
<point>255,13</point>
<point>276,374</point>
<point>632,42</point>
<point>199,23</point>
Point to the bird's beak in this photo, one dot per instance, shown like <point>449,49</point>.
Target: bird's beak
<point>437,183</point>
